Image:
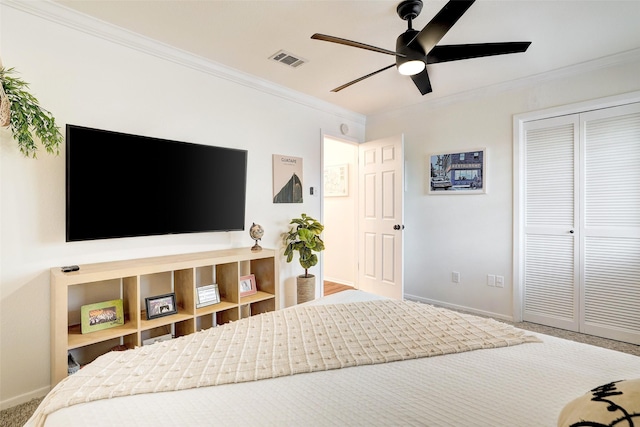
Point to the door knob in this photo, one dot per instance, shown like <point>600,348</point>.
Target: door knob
<point>398,227</point>
<point>571,231</point>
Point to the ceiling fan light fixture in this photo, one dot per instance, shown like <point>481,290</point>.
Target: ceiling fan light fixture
<point>411,68</point>
<point>409,62</point>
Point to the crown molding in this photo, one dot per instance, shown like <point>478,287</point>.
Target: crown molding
<point>622,58</point>
<point>78,21</point>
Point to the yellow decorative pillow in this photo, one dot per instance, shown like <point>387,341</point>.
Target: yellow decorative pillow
<point>613,404</point>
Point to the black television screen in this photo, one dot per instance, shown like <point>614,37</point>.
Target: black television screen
<point>121,185</point>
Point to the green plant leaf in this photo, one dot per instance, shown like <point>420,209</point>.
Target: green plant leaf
<point>305,235</point>
<point>309,262</point>
<point>28,118</point>
<point>304,239</point>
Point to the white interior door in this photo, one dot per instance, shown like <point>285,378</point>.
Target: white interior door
<point>611,222</point>
<point>380,212</point>
<point>550,247</point>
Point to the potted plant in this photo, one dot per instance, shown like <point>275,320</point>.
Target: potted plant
<point>304,237</point>
<point>24,117</point>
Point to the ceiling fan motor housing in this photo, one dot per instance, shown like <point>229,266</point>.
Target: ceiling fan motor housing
<point>411,53</point>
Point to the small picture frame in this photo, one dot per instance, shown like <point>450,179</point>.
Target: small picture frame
<point>207,295</point>
<point>101,315</point>
<point>161,305</point>
<point>248,285</point>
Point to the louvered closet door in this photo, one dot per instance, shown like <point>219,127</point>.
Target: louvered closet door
<point>611,223</point>
<point>581,222</point>
<point>550,214</point>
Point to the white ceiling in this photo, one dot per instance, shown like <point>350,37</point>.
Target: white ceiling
<point>244,34</point>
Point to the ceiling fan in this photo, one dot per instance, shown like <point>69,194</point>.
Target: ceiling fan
<point>415,49</point>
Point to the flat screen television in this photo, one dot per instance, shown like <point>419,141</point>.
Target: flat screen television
<point>121,185</point>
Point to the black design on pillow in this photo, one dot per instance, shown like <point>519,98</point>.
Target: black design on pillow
<point>602,394</point>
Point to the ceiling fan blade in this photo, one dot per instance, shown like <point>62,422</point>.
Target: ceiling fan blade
<point>431,34</point>
<point>339,88</point>
<point>456,52</point>
<point>422,81</point>
<point>351,43</point>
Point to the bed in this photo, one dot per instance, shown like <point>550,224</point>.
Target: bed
<point>496,375</point>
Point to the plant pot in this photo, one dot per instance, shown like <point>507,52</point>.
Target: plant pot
<point>5,108</point>
<point>306,288</point>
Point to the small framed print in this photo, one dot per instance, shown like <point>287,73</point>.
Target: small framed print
<point>101,315</point>
<point>248,285</point>
<point>208,295</point>
<point>161,305</point>
<point>336,180</point>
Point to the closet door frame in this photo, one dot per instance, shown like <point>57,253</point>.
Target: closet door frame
<point>519,140</point>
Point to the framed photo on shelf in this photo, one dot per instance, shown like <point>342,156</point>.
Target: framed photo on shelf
<point>248,285</point>
<point>101,315</point>
<point>161,305</point>
<point>207,295</point>
<point>462,172</point>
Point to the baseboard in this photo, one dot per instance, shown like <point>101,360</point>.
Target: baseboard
<point>459,307</point>
<point>23,398</point>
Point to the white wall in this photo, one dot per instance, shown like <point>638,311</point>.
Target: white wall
<point>340,216</point>
<point>472,234</point>
<point>93,81</point>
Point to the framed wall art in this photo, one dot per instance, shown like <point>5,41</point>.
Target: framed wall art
<point>462,172</point>
<point>336,181</point>
<point>287,179</point>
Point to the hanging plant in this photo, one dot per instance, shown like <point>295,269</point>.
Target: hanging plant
<point>26,117</point>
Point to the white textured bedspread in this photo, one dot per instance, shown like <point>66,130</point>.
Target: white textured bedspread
<point>282,343</point>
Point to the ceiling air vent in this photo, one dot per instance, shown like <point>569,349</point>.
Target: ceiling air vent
<point>287,58</point>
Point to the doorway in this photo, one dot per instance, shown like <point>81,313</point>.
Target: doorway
<point>340,211</point>
<point>362,210</point>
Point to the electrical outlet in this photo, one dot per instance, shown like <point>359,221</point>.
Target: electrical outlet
<point>491,279</point>
<point>500,281</point>
<point>455,277</point>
